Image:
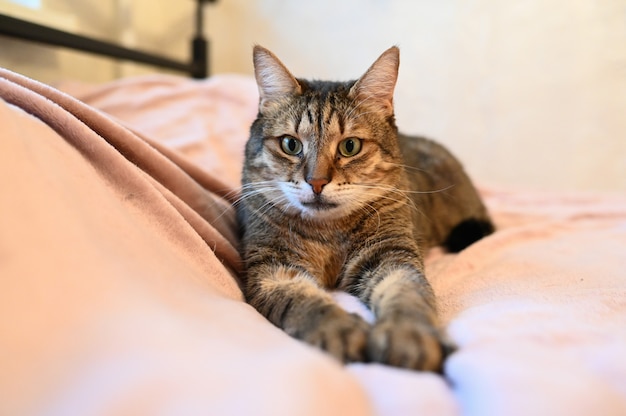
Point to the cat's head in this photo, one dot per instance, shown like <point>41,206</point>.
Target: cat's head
<point>322,149</point>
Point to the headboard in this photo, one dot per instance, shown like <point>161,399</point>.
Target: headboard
<point>197,66</point>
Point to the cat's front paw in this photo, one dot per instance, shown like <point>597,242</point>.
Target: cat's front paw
<point>407,343</point>
<point>343,335</point>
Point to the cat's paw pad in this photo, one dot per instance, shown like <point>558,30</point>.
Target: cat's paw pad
<point>344,337</point>
<point>408,344</point>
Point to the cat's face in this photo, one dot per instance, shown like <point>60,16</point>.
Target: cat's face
<point>322,150</point>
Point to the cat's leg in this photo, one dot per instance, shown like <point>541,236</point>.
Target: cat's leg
<point>292,300</point>
<point>406,333</point>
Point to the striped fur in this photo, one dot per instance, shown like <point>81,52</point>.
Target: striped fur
<point>314,216</point>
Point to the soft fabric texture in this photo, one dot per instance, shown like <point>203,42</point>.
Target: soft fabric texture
<point>118,274</point>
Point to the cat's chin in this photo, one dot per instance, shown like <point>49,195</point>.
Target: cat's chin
<point>321,211</point>
<point>319,205</point>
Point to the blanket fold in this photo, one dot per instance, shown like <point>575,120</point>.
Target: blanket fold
<point>84,127</point>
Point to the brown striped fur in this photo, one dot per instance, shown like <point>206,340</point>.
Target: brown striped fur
<point>314,216</point>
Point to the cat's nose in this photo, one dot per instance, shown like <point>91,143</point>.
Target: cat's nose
<point>317,184</point>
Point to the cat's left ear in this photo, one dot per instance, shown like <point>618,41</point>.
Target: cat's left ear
<point>273,78</point>
<point>378,83</point>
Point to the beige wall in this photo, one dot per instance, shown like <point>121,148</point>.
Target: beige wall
<point>529,93</point>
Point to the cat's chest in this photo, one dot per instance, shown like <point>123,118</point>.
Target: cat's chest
<point>327,263</point>
<point>324,258</point>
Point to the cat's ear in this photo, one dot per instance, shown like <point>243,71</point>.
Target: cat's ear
<point>377,84</point>
<point>274,80</point>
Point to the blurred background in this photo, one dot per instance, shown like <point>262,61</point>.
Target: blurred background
<point>529,94</point>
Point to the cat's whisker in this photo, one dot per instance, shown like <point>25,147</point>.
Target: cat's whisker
<point>362,114</point>
<point>366,205</point>
<point>269,204</point>
<point>242,196</point>
<point>221,214</point>
<point>405,191</point>
<point>406,199</point>
<point>349,115</point>
<point>252,193</point>
<point>403,201</point>
<point>413,168</point>
<point>252,189</point>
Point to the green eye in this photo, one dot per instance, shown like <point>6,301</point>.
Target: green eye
<point>291,145</point>
<point>350,147</point>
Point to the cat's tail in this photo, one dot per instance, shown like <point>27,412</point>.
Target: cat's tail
<point>467,232</point>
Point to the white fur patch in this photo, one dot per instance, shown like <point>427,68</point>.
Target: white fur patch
<point>352,304</point>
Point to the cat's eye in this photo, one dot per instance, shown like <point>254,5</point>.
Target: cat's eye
<point>350,146</point>
<point>291,145</point>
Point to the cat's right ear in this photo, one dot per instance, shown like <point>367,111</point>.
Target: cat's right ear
<point>274,80</point>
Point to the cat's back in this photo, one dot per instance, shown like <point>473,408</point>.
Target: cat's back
<point>427,156</point>
<point>448,209</point>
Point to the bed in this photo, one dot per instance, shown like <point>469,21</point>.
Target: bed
<point>119,268</point>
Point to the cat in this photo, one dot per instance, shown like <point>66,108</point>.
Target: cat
<point>334,198</point>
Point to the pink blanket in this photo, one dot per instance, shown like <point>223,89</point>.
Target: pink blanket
<point>118,265</point>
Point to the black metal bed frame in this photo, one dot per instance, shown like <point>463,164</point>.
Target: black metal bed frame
<point>198,67</point>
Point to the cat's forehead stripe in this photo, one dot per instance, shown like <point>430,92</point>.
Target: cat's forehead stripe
<point>318,115</point>
<point>321,106</point>
<point>298,121</point>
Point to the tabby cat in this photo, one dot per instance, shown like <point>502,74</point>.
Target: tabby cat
<point>333,198</point>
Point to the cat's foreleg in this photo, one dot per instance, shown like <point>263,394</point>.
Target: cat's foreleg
<point>292,300</point>
<point>390,280</point>
<point>406,332</point>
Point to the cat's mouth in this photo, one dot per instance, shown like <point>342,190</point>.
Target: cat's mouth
<point>319,205</point>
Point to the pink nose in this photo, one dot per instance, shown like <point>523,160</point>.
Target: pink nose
<point>317,184</point>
